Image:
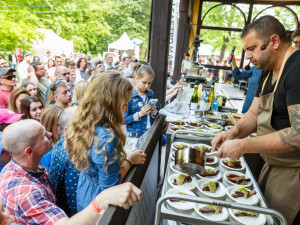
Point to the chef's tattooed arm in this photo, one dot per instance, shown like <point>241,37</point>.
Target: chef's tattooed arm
<point>291,136</point>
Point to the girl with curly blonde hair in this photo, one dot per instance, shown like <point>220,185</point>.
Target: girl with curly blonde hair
<point>95,140</point>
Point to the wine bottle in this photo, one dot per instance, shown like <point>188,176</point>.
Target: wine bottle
<point>194,99</point>
<point>211,95</point>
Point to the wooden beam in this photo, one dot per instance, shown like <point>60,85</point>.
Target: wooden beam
<point>161,21</point>
<point>182,38</point>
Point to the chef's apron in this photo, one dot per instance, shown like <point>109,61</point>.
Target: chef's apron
<point>279,179</point>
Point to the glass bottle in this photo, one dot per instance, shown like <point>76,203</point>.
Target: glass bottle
<point>211,95</point>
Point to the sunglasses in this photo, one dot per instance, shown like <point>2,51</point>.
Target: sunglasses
<point>67,73</point>
<point>297,43</point>
<point>9,77</point>
<point>100,65</point>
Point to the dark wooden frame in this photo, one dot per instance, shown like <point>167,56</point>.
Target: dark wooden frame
<point>116,215</point>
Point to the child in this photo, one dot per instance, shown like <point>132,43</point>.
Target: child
<point>140,115</point>
<point>95,140</point>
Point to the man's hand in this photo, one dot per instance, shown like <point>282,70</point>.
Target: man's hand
<point>137,157</point>
<point>233,149</point>
<point>123,195</point>
<point>145,110</point>
<point>220,138</point>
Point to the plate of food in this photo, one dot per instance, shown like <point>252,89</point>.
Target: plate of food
<point>177,123</point>
<point>247,218</point>
<point>211,188</point>
<point>173,156</point>
<point>228,127</point>
<point>172,166</point>
<point>211,160</point>
<point>175,128</point>
<point>242,195</point>
<point>210,212</point>
<point>210,173</point>
<point>213,126</point>
<point>181,204</point>
<point>201,130</point>
<point>233,164</point>
<point>237,178</point>
<point>179,145</point>
<point>206,148</point>
<point>183,181</point>
<point>194,124</point>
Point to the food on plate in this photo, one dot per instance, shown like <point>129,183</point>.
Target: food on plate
<point>203,148</point>
<point>199,130</point>
<point>180,146</point>
<point>245,213</point>
<point>241,180</point>
<point>233,163</point>
<point>177,128</point>
<point>210,172</point>
<point>211,209</point>
<point>210,160</point>
<point>214,126</point>
<point>211,186</point>
<point>178,122</point>
<point>177,200</point>
<point>181,179</point>
<point>194,124</point>
<point>243,192</point>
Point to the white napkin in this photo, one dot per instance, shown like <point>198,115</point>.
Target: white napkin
<point>176,110</point>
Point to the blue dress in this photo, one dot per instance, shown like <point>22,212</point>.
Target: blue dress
<point>64,178</point>
<point>96,180</point>
<point>254,75</point>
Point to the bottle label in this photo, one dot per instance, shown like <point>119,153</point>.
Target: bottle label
<point>194,106</point>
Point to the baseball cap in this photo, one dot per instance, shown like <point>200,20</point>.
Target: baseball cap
<point>134,60</point>
<point>8,116</point>
<point>186,54</point>
<point>4,71</point>
<point>27,54</point>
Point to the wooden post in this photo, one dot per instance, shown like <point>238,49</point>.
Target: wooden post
<point>182,38</point>
<point>161,21</point>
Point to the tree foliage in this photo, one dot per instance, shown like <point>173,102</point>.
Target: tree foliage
<point>90,25</point>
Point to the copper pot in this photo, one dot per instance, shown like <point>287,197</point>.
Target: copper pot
<point>190,160</point>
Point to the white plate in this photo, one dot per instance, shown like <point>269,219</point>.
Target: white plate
<point>215,178</point>
<point>219,127</point>
<point>188,125</point>
<point>228,127</point>
<point>188,186</point>
<point>220,192</point>
<point>174,170</point>
<point>248,220</point>
<point>198,145</point>
<point>212,163</point>
<point>181,205</point>
<point>183,128</point>
<point>178,143</point>
<point>253,200</point>
<point>172,155</point>
<point>205,131</point>
<point>230,168</point>
<point>239,174</point>
<point>211,216</point>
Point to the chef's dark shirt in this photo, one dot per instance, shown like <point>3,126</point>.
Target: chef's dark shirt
<point>287,93</point>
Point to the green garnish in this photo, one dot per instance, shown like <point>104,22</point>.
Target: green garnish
<point>209,170</point>
<point>182,193</point>
<point>180,179</point>
<point>214,126</point>
<point>200,130</point>
<point>212,186</point>
<point>243,191</point>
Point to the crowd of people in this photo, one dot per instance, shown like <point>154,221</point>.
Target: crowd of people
<point>63,156</point>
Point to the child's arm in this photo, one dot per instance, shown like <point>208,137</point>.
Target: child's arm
<point>133,158</point>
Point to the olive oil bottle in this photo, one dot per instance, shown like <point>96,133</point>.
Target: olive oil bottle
<point>211,95</point>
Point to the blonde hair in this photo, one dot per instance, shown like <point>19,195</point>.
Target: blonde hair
<point>79,90</point>
<point>13,97</point>
<point>49,120</point>
<point>101,105</point>
<point>53,87</point>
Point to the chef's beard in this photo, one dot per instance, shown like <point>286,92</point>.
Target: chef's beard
<point>263,63</point>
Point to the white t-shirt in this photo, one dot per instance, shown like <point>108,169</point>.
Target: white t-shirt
<point>148,115</point>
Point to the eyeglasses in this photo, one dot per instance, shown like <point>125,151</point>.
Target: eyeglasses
<point>65,74</point>
<point>9,77</point>
<point>297,43</point>
<point>100,65</point>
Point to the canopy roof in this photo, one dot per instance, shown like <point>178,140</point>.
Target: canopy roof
<point>123,43</point>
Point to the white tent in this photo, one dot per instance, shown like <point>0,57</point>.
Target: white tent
<point>123,43</point>
<point>53,43</point>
